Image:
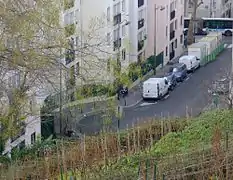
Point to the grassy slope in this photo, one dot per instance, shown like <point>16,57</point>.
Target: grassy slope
<point>197,135</point>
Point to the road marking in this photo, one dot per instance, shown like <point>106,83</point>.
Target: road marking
<point>229,46</point>
<point>187,79</point>
<point>147,103</point>
<point>166,96</point>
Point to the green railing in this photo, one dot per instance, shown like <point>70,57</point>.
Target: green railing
<point>212,56</point>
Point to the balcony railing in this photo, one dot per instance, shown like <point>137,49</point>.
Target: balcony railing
<point>20,133</point>
<point>116,44</point>
<point>140,23</point>
<point>172,15</point>
<point>172,55</point>
<point>117,19</point>
<point>172,35</point>
<point>140,45</point>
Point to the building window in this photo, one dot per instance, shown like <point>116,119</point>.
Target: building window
<point>140,3</point>
<point>166,31</point>
<point>33,138</point>
<point>172,27</point>
<point>123,54</point>
<point>77,68</point>
<point>123,30</point>
<point>21,145</point>
<point>76,15</point>
<point>108,38</point>
<point>108,14</point>
<point>123,5</point>
<point>140,36</point>
<point>181,39</point>
<point>77,41</point>
<point>176,24</point>
<point>181,21</point>
<point>172,6</point>
<point>141,14</point>
<point>116,34</point>
<point>166,51</point>
<point>176,43</point>
<point>69,18</point>
<point>117,9</point>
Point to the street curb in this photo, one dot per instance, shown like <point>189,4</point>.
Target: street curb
<point>132,105</point>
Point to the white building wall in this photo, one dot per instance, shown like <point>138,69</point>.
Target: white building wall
<point>159,34</point>
<point>31,109</point>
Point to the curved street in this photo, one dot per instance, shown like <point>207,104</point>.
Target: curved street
<point>190,97</point>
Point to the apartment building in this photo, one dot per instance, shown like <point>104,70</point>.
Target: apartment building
<point>127,32</point>
<point>165,29</point>
<point>210,9</point>
<point>30,128</point>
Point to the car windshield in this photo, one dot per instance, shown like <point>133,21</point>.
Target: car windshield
<point>175,70</point>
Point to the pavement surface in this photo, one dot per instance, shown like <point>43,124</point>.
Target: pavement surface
<point>190,97</point>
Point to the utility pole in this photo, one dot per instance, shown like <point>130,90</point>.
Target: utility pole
<point>231,81</point>
<point>161,8</point>
<point>60,95</point>
<point>155,38</point>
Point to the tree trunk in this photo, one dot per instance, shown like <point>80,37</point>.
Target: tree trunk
<point>190,38</point>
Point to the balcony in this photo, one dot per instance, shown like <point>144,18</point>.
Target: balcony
<point>140,45</point>
<point>140,23</point>
<point>21,132</point>
<point>69,56</point>
<point>116,44</point>
<point>172,55</point>
<point>69,30</point>
<point>68,4</point>
<point>117,19</point>
<point>172,35</point>
<point>140,3</point>
<point>172,15</point>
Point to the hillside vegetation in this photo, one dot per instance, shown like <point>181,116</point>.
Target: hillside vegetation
<point>160,148</point>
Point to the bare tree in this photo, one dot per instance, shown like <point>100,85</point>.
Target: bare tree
<point>194,4</point>
<point>30,39</point>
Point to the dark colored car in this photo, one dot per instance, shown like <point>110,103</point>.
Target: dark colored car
<point>179,71</point>
<point>171,78</point>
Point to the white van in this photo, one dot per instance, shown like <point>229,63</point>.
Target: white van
<point>191,62</point>
<point>155,88</point>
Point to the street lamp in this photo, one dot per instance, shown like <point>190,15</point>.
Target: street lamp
<point>161,8</point>
<point>119,64</point>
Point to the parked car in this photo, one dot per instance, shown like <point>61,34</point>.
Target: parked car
<point>171,78</point>
<point>191,62</point>
<point>155,88</point>
<point>180,71</point>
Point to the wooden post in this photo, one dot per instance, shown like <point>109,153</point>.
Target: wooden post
<point>227,166</point>
<point>162,128</point>
<point>155,171</point>
<point>147,169</point>
<point>134,139</point>
<point>128,139</point>
<point>138,128</point>
<point>151,136</point>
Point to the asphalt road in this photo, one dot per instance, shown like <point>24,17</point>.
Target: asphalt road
<point>191,95</point>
